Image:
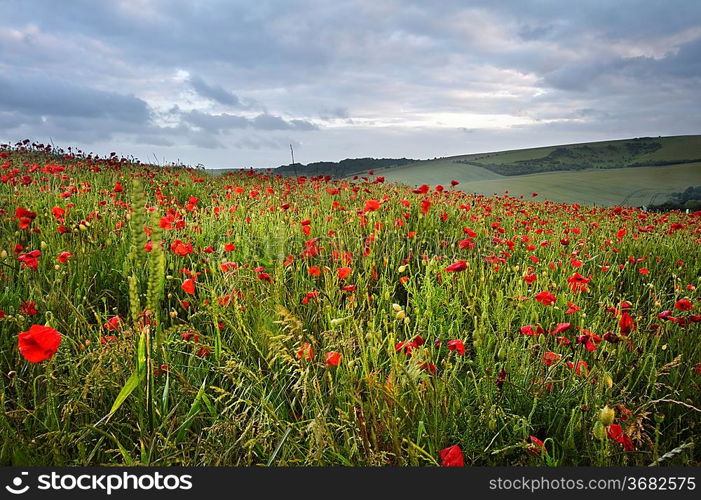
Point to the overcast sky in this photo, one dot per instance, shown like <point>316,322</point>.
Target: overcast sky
<point>233,83</point>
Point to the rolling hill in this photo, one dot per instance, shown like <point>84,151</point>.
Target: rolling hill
<point>638,171</point>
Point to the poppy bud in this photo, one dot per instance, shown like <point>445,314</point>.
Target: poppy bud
<point>3,254</point>
<point>407,320</point>
<point>402,269</point>
<point>606,415</point>
<point>43,245</point>
<point>396,307</point>
<point>599,431</point>
<point>492,424</point>
<point>82,227</point>
<point>401,315</point>
<point>608,381</point>
<point>501,354</point>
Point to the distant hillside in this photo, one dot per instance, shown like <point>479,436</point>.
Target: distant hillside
<point>634,172</point>
<point>343,168</point>
<point>640,152</point>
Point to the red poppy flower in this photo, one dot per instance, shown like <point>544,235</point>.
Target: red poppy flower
<point>572,308</point>
<point>684,305</point>
<point>456,267</point>
<point>333,358</point>
<point>25,217</point>
<point>181,248</point>
<point>530,331</point>
<point>546,298</point>
<point>425,206</point>
<point>344,272</point>
<point>371,206</point>
<point>188,286</point>
<point>58,212</point>
<point>229,247</point>
<point>581,368</point>
<point>29,308</point>
<point>550,358</point>
<point>530,278</point>
<point>38,343</point>
<point>561,328</point>
<point>615,432</point>
<point>457,346</point>
<point>64,256</point>
<point>30,259</point>
<point>536,446</point>
<point>306,352</point>
<point>452,456</point>
<point>578,283</point>
<point>314,271</point>
<point>114,323</point>
<point>626,323</point>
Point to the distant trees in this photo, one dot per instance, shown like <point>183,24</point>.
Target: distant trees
<point>343,168</point>
<point>689,199</point>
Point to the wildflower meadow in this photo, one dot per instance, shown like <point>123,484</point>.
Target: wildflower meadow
<point>165,315</point>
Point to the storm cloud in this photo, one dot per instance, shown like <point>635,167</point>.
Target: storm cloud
<point>234,83</point>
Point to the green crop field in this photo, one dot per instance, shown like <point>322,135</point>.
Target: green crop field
<point>632,172</point>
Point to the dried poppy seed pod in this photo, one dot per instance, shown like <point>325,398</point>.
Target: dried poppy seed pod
<point>606,415</point>
<point>401,315</point>
<point>396,307</point>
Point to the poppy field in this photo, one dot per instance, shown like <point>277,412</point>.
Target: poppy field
<point>166,316</point>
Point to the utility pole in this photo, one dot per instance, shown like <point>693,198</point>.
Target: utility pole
<point>292,152</point>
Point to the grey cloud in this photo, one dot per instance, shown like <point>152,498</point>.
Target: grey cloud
<point>221,122</point>
<point>213,92</point>
<point>46,96</point>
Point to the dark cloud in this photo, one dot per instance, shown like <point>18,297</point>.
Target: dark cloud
<point>218,123</point>
<point>213,92</point>
<point>50,97</point>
